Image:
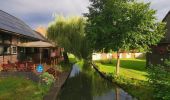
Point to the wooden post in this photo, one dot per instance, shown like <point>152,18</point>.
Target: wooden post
<point>3,54</point>
<point>118,63</point>
<point>40,54</point>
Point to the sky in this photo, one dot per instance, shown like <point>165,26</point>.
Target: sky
<point>41,12</point>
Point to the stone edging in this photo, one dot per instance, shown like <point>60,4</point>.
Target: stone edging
<point>56,87</point>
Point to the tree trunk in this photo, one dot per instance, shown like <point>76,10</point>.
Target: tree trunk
<point>66,60</point>
<point>118,63</point>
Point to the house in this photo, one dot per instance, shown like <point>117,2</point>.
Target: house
<point>107,56</point>
<point>161,52</point>
<point>18,42</point>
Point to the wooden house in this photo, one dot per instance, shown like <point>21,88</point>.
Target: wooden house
<point>161,52</point>
<point>18,42</point>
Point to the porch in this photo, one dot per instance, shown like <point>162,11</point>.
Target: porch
<point>29,56</point>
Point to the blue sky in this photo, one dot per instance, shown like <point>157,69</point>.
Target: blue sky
<point>41,12</point>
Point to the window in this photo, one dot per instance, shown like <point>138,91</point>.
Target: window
<point>14,49</point>
<point>29,50</point>
<point>21,50</point>
<point>7,50</point>
<point>7,39</point>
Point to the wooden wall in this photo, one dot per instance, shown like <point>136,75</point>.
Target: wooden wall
<point>167,35</point>
<point>158,54</point>
<point>9,57</point>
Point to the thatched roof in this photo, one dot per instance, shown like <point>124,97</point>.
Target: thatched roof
<point>11,24</point>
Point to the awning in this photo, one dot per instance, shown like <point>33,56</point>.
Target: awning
<point>39,44</point>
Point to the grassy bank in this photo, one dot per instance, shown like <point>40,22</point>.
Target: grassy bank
<point>17,88</point>
<point>132,78</point>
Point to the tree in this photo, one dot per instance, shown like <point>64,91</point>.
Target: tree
<point>69,33</point>
<point>122,25</point>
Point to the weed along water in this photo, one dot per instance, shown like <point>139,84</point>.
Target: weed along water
<point>86,84</point>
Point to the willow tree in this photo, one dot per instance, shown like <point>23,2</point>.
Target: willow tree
<point>69,33</point>
<point>122,25</point>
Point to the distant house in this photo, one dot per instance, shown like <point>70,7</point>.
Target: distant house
<point>106,56</point>
<point>162,51</point>
<point>18,42</point>
<point>42,30</point>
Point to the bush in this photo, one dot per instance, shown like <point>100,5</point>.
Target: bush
<point>47,78</point>
<point>105,61</point>
<point>159,79</point>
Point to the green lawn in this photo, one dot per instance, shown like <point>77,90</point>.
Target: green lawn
<point>129,68</point>
<point>132,77</point>
<point>17,88</point>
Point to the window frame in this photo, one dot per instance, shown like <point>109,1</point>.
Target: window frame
<point>13,48</point>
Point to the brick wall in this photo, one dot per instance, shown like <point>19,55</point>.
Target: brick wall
<point>11,58</point>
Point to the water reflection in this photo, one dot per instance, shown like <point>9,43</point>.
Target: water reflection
<point>75,71</point>
<point>88,85</point>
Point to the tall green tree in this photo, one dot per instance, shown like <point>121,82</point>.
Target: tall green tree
<point>122,25</point>
<point>70,34</point>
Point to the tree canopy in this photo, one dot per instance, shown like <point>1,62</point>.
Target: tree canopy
<point>122,25</point>
<point>70,34</point>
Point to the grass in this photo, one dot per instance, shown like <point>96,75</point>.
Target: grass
<point>75,60</point>
<point>132,77</point>
<point>130,68</point>
<point>18,88</point>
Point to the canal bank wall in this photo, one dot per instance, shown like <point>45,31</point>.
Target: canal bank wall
<point>101,74</point>
<point>105,77</point>
<point>57,85</point>
<point>110,80</point>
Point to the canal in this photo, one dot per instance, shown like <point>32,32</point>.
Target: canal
<point>87,84</point>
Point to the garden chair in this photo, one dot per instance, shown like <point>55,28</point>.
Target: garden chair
<point>51,71</point>
<point>30,66</point>
<point>21,66</point>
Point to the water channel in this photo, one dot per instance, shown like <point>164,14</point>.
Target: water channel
<point>87,84</point>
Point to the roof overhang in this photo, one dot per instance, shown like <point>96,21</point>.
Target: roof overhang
<point>39,44</point>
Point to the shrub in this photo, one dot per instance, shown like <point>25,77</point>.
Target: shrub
<point>105,61</point>
<point>159,79</point>
<point>47,78</point>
